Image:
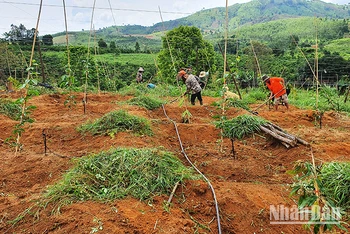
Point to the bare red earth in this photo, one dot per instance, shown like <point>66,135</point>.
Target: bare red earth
<point>245,187</point>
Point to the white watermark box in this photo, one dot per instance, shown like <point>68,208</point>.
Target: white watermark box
<point>315,214</point>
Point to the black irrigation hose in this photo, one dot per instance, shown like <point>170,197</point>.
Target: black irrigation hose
<point>205,178</point>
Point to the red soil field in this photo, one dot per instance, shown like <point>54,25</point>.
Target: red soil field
<point>245,187</point>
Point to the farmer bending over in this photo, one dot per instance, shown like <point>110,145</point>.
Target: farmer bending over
<point>278,91</point>
<point>192,86</point>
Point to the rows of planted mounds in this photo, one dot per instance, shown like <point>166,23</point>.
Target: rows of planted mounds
<point>120,172</point>
<point>326,186</point>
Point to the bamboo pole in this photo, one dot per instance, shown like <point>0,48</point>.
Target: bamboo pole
<point>96,64</point>
<point>167,41</point>
<point>88,57</point>
<point>256,58</point>
<point>68,51</point>
<point>233,77</point>
<point>316,67</point>
<point>28,76</point>
<point>224,76</point>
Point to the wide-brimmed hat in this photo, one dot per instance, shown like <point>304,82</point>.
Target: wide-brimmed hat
<point>265,78</point>
<point>141,69</point>
<point>202,74</point>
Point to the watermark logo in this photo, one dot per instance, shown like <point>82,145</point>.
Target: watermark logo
<point>315,214</point>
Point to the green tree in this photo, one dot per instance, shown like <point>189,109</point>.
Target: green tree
<point>47,39</point>
<point>112,46</point>
<point>102,43</point>
<point>137,47</point>
<point>186,46</point>
<point>20,34</point>
<point>10,61</point>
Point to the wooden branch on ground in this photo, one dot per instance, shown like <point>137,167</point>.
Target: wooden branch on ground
<point>172,193</point>
<point>287,139</point>
<point>301,141</point>
<point>278,137</point>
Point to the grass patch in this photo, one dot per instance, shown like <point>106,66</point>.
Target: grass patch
<point>161,90</point>
<point>147,102</point>
<point>328,100</point>
<point>335,177</point>
<point>127,58</point>
<point>10,109</point>
<point>241,126</point>
<point>120,172</point>
<point>117,121</point>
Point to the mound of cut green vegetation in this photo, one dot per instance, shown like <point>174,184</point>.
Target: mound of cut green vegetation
<point>118,121</point>
<point>146,102</point>
<point>241,126</point>
<point>120,172</point>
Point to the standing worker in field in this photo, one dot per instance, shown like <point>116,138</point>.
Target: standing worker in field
<point>139,75</point>
<point>192,86</point>
<point>278,91</point>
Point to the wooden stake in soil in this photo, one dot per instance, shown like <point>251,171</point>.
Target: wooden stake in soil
<point>172,193</point>
<point>225,62</point>
<point>45,145</point>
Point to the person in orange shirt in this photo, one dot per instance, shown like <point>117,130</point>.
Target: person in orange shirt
<point>277,89</point>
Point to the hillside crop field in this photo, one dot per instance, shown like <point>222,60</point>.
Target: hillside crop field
<point>245,186</point>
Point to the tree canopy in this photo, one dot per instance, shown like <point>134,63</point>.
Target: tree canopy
<point>20,34</point>
<point>184,46</point>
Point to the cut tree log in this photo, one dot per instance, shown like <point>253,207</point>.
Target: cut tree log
<point>279,132</point>
<point>286,139</point>
<point>278,137</point>
<point>301,141</point>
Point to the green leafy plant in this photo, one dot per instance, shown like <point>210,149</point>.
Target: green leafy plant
<point>117,121</point>
<point>14,81</point>
<point>186,116</point>
<point>10,109</point>
<point>67,81</point>
<point>26,110</point>
<point>315,187</point>
<point>332,100</point>
<point>335,178</point>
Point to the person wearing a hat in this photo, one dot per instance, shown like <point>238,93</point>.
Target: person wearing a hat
<point>201,79</point>
<point>139,75</point>
<point>192,86</point>
<point>181,73</point>
<point>277,89</point>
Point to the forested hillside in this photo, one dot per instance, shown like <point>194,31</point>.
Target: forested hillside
<point>253,12</point>
<point>259,20</point>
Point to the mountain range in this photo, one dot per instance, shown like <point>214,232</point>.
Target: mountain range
<point>213,21</point>
<point>253,12</point>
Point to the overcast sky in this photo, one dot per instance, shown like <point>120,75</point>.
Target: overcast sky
<point>107,12</point>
